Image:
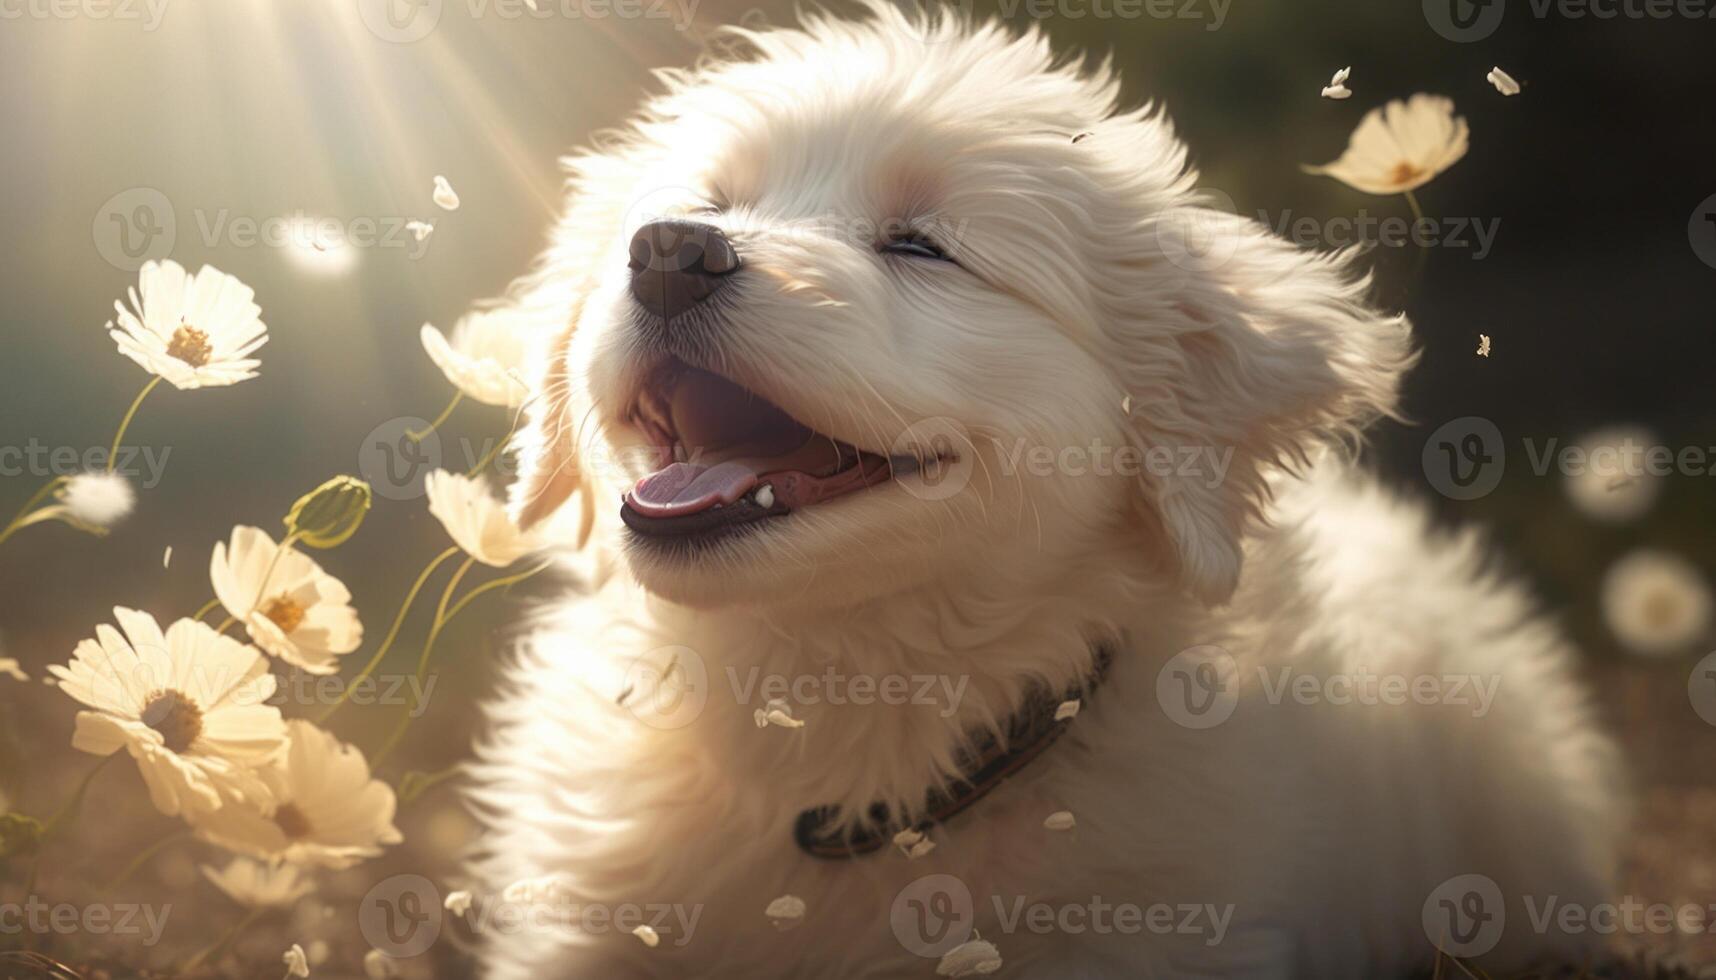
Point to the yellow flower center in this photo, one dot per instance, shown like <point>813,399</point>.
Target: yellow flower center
<point>1662,608</point>
<point>190,345</point>
<point>175,716</point>
<point>292,822</point>
<point>1405,173</point>
<point>285,612</point>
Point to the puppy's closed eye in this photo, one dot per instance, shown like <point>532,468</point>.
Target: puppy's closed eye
<point>915,244</point>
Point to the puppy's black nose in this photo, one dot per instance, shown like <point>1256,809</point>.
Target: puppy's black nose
<point>677,264</point>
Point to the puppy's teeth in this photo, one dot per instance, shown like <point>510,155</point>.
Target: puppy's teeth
<point>765,496</point>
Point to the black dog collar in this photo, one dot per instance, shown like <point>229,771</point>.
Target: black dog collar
<point>983,768</point>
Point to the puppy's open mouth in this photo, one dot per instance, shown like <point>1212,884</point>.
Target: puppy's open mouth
<point>726,456</point>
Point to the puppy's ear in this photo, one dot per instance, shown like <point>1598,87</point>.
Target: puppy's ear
<point>549,471</point>
<point>1248,352</point>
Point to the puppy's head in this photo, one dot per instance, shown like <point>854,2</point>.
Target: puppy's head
<point>867,304</point>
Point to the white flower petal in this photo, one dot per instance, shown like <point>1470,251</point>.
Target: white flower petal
<point>297,964</point>
<point>444,196</point>
<point>975,958</point>
<point>1503,82</point>
<point>476,520</point>
<point>786,911</point>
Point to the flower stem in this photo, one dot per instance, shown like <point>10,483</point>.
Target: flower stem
<point>392,634</point>
<point>1412,200</point>
<point>205,609</point>
<point>125,423</point>
<point>227,937</point>
<point>24,518</point>
<point>489,457</point>
<point>435,628</point>
<point>142,858</point>
<point>499,447</point>
<point>69,810</point>
<point>419,436</point>
<point>443,616</point>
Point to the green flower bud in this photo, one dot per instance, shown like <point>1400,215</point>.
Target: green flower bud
<point>328,515</point>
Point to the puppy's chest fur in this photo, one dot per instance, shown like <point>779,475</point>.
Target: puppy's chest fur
<point>680,803</point>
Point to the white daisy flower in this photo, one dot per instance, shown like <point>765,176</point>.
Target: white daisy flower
<point>297,964</point>
<point>255,885</point>
<point>484,358</point>
<point>188,704</point>
<point>379,966</point>
<point>1503,82</point>
<point>326,810</point>
<point>98,500</point>
<point>786,911</point>
<point>1400,146</point>
<point>11,668</point>
<point>445,198</point>
<point>1060,820</point>
<point>648,935</point>
<point>1614,485</point>
<point>196,332</point>
<point>290,607</point>
<point>476,520</point>
<point>1656,603</point>
<point>458,902</point>
<point>969,959</point>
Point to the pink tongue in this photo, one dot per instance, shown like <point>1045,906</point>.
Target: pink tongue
<point>688,488</point>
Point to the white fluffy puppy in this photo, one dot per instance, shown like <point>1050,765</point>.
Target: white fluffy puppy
<point>904,390</point>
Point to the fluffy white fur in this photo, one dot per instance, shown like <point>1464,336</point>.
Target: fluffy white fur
<point>1325,827</point>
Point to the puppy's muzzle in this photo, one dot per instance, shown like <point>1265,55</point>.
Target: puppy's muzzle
<point>677,264</point>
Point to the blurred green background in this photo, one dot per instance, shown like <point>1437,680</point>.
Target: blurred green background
<point>235,111</point>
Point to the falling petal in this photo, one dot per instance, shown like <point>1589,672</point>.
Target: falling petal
<point>1503,82</point>
<point>445,198</point>
<point>1483,345</point>
<point>1067,709</point>
<point>1060,820</point>
<point>649,936</point>
<point>975,958</point>
<point>419,229</point>
<point>786,911</point>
